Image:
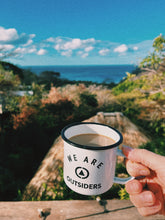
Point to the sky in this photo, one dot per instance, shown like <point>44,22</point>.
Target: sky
<point>79,32</point>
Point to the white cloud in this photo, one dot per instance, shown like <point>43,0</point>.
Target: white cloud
<point>31,49</point>
<point>29,41</point>
<point>50,39</point>
<point>66,53</point>
<point>8,34</point>
<point>87,49</point>
<point>41,52</point>
<point>13,44</point>
<point>57,47</point>
<point>72,44</point>
<point>84,55</point>
<point>135,48</point>
<point>89,40</point>
<point>120,49</point>
<point>18,52</point>
<point>104,52</point>
<point>6,47</point>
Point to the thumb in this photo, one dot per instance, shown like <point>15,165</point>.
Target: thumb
<point>145,157</point>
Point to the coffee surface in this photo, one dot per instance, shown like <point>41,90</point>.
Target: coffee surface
<point>95,140</point>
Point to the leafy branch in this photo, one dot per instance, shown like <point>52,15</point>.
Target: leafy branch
<point>154,59</point>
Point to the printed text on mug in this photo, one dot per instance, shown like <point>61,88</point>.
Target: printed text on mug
<point>83,173</point>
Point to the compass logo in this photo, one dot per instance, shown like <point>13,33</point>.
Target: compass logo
<point>82,172</point>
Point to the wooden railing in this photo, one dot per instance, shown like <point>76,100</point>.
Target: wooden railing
<point>71,210</point>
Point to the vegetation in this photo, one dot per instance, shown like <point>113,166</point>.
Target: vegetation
<point>30,124</point>
<point>154,59</point>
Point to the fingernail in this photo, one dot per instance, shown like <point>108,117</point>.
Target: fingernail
<point>126,150</point>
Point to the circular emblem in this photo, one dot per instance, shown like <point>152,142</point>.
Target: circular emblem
<point>82,172</point>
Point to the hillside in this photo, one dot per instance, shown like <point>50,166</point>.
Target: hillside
<point>147,90</point>
<point>32,123</point>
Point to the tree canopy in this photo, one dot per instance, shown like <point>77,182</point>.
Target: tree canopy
<point>154,59</point>
<point>8,80</point>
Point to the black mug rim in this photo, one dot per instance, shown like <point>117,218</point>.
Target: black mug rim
<point>91,147</point>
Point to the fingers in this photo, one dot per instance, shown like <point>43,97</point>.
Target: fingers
<point>137,169</point>
<point>147,202</point>
<point>145,157</point>
<point>151,210</point>
<point>134,187</point>
<point>143,199</point>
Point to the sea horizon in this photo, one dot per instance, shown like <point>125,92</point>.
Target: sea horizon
<point>95,73</point>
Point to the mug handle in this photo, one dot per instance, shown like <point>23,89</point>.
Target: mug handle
<point>122,180</point>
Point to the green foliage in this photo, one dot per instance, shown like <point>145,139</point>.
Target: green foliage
<point>130,84</point>
<point>8,80</point>
<point>157,127</point>
<point>159,43</point>
<point>88,99</point>
<point>52,117</point>
<point>12,103</point>
<point>37,127</point>
<point>49,75</point>
<point>152,61</point>
<point>129,107</point>
<point>38,91</point>
<point>88,106</point>
<point>159,96</point>
<point>23,148</point>
<point>12,68</point>
<point>157,145</point>
<point>120,168</point>
<point>123,194</point>
<point>156,57</point>
<point>49,78</point>
<point>29,77</point>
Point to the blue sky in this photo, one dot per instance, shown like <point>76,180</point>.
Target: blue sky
<point>79,32</point>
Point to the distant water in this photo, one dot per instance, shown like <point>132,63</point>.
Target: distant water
<point>101,73</point>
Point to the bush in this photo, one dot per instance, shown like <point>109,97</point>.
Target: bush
<point>123,194</point>
<point>88,99</point>
<point>157,146</point>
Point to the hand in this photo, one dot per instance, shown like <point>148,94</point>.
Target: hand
<point>147,193</point>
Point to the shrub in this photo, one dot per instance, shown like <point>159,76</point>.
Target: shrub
<point>123,194</point>
<point>88,99</point>
<point>157,146</point>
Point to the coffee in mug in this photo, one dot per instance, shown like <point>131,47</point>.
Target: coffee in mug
<point>92,140</point>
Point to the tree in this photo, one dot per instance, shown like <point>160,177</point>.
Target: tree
<point>8,81</point>
<point>48,78</point>
<point>154,59</point>
<point>29,77</point>
<point>49,74</point>
<point>11,67</point>
<point>159,44</point>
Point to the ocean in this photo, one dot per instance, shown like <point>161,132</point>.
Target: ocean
<point>94,73</point>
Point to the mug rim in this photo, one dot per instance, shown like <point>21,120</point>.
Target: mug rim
<point>91,147</point>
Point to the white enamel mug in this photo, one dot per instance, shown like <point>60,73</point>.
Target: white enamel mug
<point>91,170</point>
